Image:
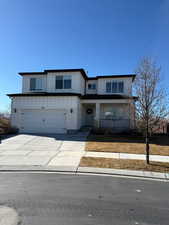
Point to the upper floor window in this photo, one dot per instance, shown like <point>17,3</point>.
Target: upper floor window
<point>36,84</point>
<point>115,87</point>
<point>63,82</point>
<point>91,86</point>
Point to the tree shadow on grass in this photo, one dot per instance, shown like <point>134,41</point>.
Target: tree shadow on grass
<point>162,140</point>
<point>160,164</point>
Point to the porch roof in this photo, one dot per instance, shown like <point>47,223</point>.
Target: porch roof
<point>92,96</point>
<point>88,96</point>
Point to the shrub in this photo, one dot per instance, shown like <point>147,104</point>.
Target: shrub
<point>12,130</point>
<point>6,128</point>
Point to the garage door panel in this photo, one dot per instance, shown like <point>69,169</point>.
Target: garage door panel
<point>43,121</point>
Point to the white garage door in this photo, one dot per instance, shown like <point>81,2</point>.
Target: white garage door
<point>43,121</point>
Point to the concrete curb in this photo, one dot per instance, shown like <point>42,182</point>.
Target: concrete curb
<point>67,169</point>
<point>86,170</point>
<point>128,173</point>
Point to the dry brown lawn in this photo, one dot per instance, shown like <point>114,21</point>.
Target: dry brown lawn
<point>129,164</point>
<point>100,143</point>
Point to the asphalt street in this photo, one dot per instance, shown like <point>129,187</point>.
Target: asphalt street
<point>55,199</point>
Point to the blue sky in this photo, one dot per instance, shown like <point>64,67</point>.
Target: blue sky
<point>101,36</point>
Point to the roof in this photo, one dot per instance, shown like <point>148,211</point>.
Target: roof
<point>82,72</point>
<point>43,94</point>
<point>113,76</point>
<point>57,70</point>
<point>115,96</point>
<point>88,96</point>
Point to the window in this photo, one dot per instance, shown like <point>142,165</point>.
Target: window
<point>36,84</point>
<point>59,82</point>
<point>67,82</point>
<point>115,87</point>
<point>63,82</point>
<point>91,86</point>
<point>108,87</point>
<point>121,87</point>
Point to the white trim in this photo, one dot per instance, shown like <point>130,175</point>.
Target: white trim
<point>106,101</point>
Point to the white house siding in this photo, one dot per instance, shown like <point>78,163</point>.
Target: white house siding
<point>127,85</point>
<point>90,91</point>
<point>26,82</point>
<point>77,82</point>
<point>79,113</point>
<point>82,85</point>
<point>65,103</point>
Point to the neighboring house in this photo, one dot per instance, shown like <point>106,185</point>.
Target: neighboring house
<point>61,101</point>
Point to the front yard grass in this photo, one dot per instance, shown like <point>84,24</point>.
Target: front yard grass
<point>159,145</point>
<point>128,164</point>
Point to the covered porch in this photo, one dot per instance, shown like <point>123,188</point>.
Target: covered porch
<point>114,114</point>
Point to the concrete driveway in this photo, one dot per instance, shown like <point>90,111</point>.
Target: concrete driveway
<point>57,152</point>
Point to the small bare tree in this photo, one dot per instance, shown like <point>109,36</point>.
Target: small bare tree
<point>151,106</point>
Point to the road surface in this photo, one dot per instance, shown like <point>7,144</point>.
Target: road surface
<point>55,199</point>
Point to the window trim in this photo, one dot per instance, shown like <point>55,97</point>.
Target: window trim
<point>64,78</point>
<point>92,84</point>
<point>35,80</point>
<point>111,82</point>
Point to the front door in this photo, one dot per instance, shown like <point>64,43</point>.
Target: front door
<point>89,116</point>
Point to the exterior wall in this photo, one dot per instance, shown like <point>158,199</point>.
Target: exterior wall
<point>88,91</point>
<point>51,102</point>
<point>127,85</point>
<point>79,114</point>
<point>112,101</point>
<point>82,85</point>
<point>26,82</point>
<point>78,82</point>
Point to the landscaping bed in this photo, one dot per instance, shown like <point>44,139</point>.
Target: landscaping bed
<point>159,145</point>
<point>128,164</point>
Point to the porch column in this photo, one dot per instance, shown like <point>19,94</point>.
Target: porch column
<point>97,118</point>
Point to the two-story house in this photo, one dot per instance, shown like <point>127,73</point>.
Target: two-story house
<point>64,100</point>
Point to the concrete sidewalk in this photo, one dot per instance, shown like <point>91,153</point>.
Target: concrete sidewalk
<point>157,158</point>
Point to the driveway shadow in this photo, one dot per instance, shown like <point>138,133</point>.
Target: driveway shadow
<point>80,136</point>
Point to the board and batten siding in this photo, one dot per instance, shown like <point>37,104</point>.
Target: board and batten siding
<point>77,82</point>
<point>101,85</point>
<point>49,80</point>
<point>91,91</point>
<point>26,83</point>
<point>65,103</point>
